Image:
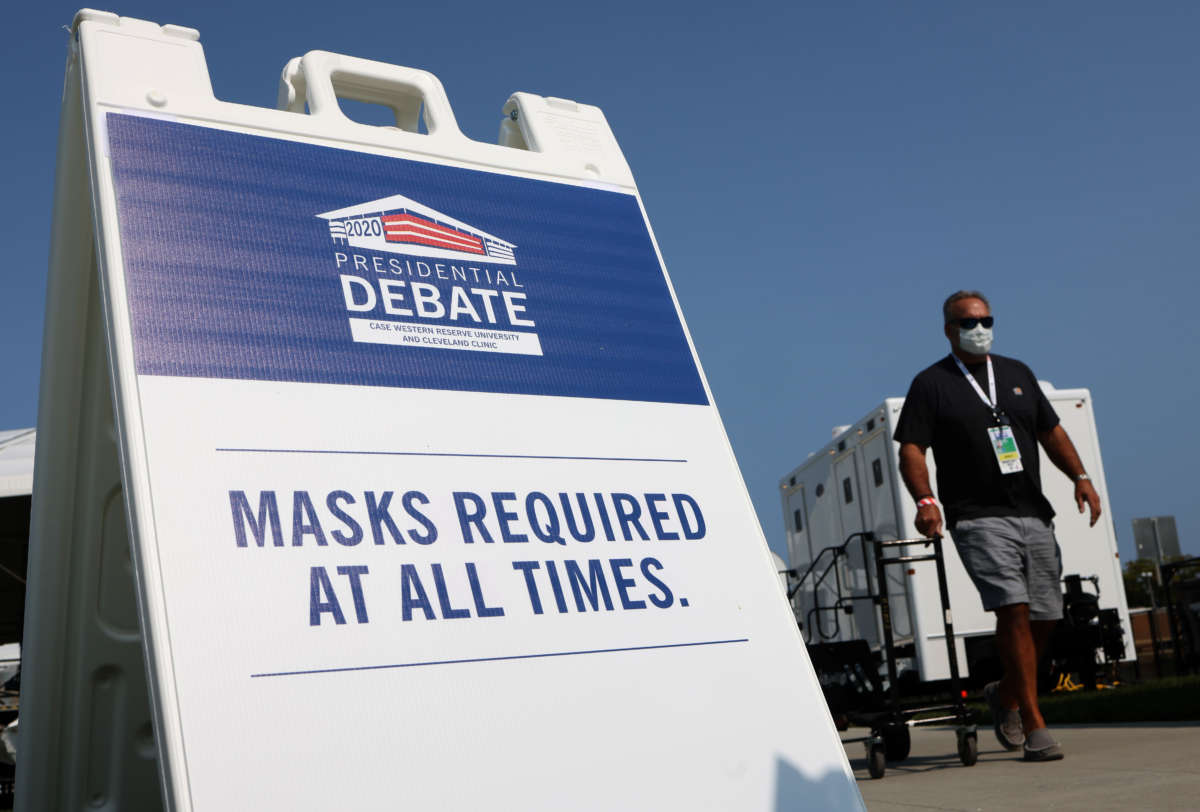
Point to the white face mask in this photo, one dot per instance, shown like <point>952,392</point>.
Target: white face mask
<point>977,340</point>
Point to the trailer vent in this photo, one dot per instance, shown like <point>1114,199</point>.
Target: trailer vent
<point>847,490</point>
<point>799,522</point>
<point>871,424</point>
<point>877,471</point>
<point>820,489</point>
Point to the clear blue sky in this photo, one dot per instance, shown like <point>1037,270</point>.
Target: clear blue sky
<point>819,177</point>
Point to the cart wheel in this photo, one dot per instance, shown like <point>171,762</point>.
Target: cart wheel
<point>877,761</point>
<point>968,749</point>
<point>897,741</point>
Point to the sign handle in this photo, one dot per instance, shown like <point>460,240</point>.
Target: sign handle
<point>320,78</point>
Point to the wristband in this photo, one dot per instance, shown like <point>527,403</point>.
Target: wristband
<point>928,500</point>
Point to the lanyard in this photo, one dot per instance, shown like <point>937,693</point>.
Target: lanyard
<point>989,402</point>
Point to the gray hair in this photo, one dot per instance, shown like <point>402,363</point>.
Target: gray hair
<point>959,296</point>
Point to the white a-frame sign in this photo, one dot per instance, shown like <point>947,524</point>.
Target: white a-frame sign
<point>376,470</point>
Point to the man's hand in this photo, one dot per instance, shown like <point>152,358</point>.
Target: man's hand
<point>929,521</point>
<point>916,479</point>
<point>1085,493</point>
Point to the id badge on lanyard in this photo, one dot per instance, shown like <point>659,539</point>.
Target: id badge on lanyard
<point>1005,446</point>
<point>1002,440</point>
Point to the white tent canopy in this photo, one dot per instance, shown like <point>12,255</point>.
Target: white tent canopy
<point>16,462</point>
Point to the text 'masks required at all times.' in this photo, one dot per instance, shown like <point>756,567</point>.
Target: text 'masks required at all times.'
<point>345,519</point>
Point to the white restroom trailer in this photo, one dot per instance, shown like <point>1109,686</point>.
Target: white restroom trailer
<point>853,484</point>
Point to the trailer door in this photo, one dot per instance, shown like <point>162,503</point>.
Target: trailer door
<point>882,507</point>
<point>823,530</point>
<point>795,517</point>
<point>857,580</point>
<point>800,553</point>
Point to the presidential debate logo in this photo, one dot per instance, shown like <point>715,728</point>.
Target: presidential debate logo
<point>412,276</point>
<point>401,225</point>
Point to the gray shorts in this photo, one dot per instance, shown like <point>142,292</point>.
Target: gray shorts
<point>1012,559</point>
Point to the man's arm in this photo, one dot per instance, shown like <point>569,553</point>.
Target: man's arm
<point>1061,452</point>
<point>915,473</point>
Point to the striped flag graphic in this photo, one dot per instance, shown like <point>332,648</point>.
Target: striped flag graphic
<point>401,225</point>
<point>413,229</point>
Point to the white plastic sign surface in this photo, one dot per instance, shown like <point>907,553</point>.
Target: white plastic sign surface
<point>438,512</point>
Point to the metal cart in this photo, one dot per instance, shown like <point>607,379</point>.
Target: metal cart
<point>850,669</point>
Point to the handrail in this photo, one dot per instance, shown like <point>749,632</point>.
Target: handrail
<point>844,603</point>
<point>836,551</point>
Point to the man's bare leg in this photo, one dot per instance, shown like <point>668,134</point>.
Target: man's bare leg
<point>1019,652</point>
<point>1042,631</point>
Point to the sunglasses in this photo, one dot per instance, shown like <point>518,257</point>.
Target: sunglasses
<point>969,324</point>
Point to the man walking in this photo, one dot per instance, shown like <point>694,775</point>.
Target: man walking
<point>984,416</point>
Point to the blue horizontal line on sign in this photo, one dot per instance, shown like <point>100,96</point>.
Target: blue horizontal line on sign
<point>441,454</point>
<point>497,659</point>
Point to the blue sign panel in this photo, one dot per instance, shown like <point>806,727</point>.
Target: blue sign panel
<point>254,258</point>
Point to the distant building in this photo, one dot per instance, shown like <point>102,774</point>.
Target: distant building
<point>1156,538</point>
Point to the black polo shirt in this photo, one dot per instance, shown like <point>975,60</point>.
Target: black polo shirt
<point>943,411</point>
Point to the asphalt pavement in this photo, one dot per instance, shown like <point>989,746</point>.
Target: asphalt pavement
<point>1151,766</point>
